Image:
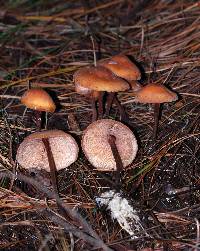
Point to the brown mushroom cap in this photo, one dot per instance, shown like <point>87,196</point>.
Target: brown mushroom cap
<point>38,99</point>
<point>155,93</point>
<point>96,147</point>
<point>99,79</point>
<point>121,66</point>
<point>31,153</point>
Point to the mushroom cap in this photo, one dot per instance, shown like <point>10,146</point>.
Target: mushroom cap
<point>38,99</point>
<point>86,91</point>
<point>31,153</point>
<point>155,93</point>
<point>122,66</point>
<point>99,79</point>
<point>97,149</point>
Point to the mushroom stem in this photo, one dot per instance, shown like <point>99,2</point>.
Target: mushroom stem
<point>122,112</point>
<point>52,165</point>
<point>38,119</point>
<point>53,171</point>
<point>118,160</point>
<point>110,98</point>
<point>100,108</point>
<point>94,110</point>
<point>156,119</point>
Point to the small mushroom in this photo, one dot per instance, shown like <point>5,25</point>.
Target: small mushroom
<point>99,79</point>
<point>122,67</point>
<point>155,94</point>
<point>47,151</point>
<point>40,101</point>
<point>109,145</point>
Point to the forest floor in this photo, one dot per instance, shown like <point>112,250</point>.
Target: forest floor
<point>42,44</point>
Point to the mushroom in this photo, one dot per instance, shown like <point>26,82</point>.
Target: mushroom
<point>122,67</point>
<point>98,80</point>
<point>47,151</point>
<point>109,145</point>
<point>155,94</point>
<point>40,101</point>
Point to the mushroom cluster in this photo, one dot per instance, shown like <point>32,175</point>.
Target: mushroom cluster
<point>111,76</point>
<point>109,145</point>
<point>97,80</point>
<point>116,74</point>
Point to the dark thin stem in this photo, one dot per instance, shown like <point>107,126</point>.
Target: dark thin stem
<point>110,98</point>
<point>52,165</point>
<point>53,171</point>
<point>156,120</point>
<point>94,110</point>
<point>100,108</point>
<point>122,112</point>
<point>38,119</point>
<point>118,160</point>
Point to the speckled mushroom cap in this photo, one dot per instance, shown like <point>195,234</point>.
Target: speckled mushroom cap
<point>31,153</point>
<point>97,149</point>
<point>38,99</point>
<point>121,66</point>
<point>155,93</point>
<point>99,79</point>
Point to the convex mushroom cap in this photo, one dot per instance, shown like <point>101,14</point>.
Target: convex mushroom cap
<point>99,79</point>
<point>97,149</point>
<point>122,66</point>
<point>31,153</point>
<point>155,93</point>
<point>38,99</point>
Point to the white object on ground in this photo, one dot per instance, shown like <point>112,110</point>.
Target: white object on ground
<point>121,210</point>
